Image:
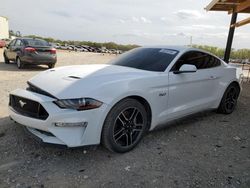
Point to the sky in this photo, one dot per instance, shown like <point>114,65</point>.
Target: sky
<point>143,22</point>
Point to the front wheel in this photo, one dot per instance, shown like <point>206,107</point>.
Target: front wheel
<point>229,99</point>
<point>124,126</point>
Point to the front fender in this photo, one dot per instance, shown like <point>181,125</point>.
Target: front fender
<point>149,90</point>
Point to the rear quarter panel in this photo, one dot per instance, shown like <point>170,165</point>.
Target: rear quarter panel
<point>230,74</point>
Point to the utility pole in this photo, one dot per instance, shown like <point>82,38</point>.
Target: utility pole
<point>230,37</point>
<point>191,40</point>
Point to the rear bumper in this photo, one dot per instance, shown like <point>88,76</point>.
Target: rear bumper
<point>88,133</point>
<point>38,60</point>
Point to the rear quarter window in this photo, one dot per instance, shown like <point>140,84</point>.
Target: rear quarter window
<point>213,62</point>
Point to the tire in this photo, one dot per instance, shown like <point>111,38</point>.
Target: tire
<point>229,99</point>
<point>6,60</point>
<point>19,63</point>
<point>52,65</point>
<point>124,126</point>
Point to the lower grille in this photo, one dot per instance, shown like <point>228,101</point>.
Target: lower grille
<point>28,107</point>
<point>44,132</point>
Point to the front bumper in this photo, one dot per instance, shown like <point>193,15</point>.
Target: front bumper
<point>89,133</point>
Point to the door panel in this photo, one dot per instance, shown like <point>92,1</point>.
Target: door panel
<point>193,92</point>
<point>9,51</point>
<point>189,92</point>
<point>16,48</point>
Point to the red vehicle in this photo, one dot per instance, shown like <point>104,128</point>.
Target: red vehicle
<point>2,43</point>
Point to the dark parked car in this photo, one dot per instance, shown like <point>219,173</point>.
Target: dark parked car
<point>30,51</point>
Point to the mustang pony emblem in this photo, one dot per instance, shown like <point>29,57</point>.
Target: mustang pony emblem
<point>22,103</point>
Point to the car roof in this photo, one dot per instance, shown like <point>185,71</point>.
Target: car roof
<point>181,49</point>
<point>173,47</point>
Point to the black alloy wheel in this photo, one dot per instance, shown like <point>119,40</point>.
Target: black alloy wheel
<point>229,100</point>
<point>128,127</point>
<point>124,126</point>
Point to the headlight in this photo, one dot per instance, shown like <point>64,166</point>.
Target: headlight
<point>78,104</point>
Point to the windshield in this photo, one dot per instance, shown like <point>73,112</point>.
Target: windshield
<point>36,42</point>
<point>151,59</point>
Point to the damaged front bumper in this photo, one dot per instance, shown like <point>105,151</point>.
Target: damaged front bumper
<point>61,126</point>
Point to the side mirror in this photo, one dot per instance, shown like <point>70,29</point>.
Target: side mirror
<point>186,69</point>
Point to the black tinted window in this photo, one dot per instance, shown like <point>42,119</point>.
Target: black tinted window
<point>213,62</point>
<point>35,42</point>
<point>151,59</point>
<point>199,59</point>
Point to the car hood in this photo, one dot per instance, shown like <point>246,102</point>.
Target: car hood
<point>83,80</point>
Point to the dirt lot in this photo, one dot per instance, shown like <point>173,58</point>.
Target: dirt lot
<point>206,150</point>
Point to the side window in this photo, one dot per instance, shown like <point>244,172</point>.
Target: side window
<point>218,62</point>
<point>199,59</point>
<point>18,43</point>
<point>191,58</point>
<point>213,62</point>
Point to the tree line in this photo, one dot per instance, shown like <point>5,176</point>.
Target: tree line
<point>235,54</point>
<point>108,45</point>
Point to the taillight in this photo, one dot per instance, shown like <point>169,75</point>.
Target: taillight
<point>29,49</point>
<point>53,51</point>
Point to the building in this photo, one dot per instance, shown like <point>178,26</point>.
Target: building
<point>4,27</point>
<point>233,7</point>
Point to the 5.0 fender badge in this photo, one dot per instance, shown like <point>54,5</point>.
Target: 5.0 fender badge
<point>162,94</point>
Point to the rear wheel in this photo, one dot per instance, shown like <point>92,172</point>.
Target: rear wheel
<point>52,65</point>
<point>6,60</point>
<point>124,126</point>
<point>229,99</point>
<point>19,63</point>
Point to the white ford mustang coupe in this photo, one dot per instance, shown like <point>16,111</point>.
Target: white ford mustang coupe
<point>116,104</point>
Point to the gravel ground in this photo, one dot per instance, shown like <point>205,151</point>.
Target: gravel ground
<point>205,150</point>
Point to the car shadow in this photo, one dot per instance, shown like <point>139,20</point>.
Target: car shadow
<point>184,122</point>
<point>17,136</point>
<point>27,68</point>
<point>28,140</point>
